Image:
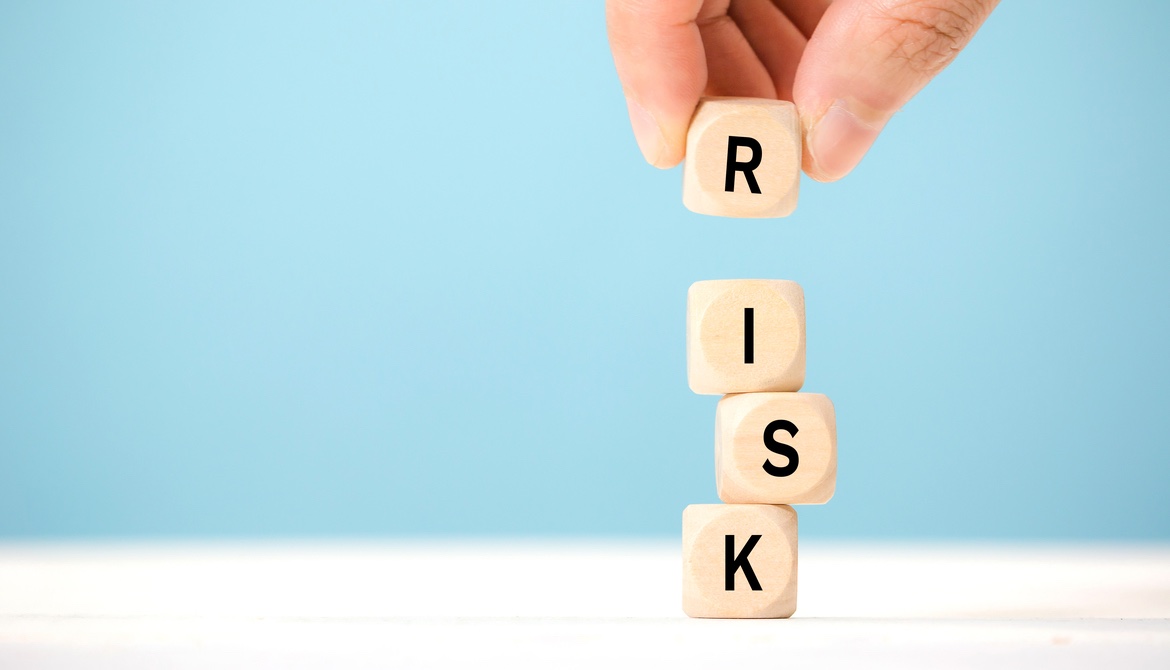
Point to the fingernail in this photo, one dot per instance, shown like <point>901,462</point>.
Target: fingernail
<point>646,132</point>
<point>838,141</point>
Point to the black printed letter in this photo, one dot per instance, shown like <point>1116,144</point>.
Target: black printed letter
<point>740,562</point>
<point>733,165</point>
<point>749,335</point>
<point>780,448</point>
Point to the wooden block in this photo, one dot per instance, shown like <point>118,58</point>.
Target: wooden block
<point>776,448</point>
<point>743,158</point>
<point>739,561</point>
<point>745,336</point>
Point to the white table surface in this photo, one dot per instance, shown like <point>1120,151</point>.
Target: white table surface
<point>571,604</point>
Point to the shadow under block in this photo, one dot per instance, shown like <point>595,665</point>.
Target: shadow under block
<point>743,158</point>
<point>745,336</point>
<point>739,561</point>
<point>776,448</point>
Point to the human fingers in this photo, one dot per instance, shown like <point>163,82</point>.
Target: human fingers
<point>804,14</point>
<point>774,39</point>
<point>865,60</point>
<point>669,53</point>
<point>658,51</point>
<point>733,66</point>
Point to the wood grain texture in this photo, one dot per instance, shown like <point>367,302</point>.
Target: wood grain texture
<point>772,560</point>
<point>746,425</point>
<point>717,336</point>
<point>774,126</point>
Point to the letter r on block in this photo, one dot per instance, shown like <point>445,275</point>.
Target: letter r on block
<point>746,167</point>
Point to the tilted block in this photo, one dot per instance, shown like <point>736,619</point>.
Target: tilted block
<point>739,561</point>
<point>745,336</point>
<point>776,448</point>
<point>743,158</point>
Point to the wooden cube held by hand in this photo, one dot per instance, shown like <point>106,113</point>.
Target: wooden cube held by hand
<point>743,158</point>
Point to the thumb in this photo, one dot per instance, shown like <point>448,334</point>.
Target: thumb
<point>865,60</point>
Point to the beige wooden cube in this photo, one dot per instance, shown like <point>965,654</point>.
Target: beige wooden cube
<point>745,336</point>
<point>776,448</point>
<point>743,158</point>
<point>739,561</point>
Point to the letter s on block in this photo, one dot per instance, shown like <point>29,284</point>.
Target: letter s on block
<point>779,448</point>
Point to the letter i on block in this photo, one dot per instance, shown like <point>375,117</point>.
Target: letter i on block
<point>745,336</point>
<point>743,158</point>
<point>739,561</point>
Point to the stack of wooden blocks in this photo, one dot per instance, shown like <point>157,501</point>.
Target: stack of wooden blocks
<point>774,447</point>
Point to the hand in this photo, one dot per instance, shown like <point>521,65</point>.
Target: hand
<point>848,65</point>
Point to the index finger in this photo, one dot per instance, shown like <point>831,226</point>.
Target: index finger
<point>659,57</point>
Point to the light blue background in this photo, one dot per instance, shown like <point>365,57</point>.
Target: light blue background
<point>393,268</point>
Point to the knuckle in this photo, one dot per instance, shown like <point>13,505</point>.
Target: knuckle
<point>926,35</point>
